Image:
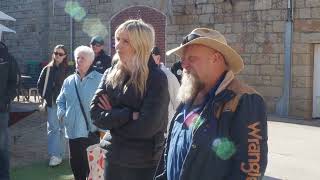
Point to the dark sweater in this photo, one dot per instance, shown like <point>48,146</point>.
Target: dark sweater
<point>56,77</point>
<point>9,78</point>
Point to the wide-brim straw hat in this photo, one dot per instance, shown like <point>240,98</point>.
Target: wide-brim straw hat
<point>215,40</point>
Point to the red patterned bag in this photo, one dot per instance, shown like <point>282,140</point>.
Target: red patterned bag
<point>96,160</point>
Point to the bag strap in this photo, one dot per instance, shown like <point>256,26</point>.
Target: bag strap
<point>46,82</point>
<point>81,106</point>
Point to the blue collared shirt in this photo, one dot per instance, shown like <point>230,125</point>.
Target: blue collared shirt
<point>182,134</point>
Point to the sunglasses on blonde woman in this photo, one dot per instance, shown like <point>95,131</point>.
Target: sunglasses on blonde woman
<point>57,53</point>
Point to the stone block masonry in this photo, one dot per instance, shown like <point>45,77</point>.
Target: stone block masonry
<point>254,28</point>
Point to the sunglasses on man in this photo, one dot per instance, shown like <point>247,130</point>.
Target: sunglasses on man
<point>96,44</point>
<point>189,38</point>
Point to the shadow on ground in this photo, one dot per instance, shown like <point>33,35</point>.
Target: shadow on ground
<point>271,178</point>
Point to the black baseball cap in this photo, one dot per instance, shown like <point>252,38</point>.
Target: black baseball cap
<point>97,40</point>
<point>156,51</point>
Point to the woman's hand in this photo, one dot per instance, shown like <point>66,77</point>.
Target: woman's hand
<point>135,115</point>
<point>104,102</point>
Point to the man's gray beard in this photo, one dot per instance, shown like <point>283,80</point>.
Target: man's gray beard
<point>190,87</point>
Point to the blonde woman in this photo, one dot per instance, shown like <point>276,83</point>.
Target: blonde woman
<point>58,69</point>
<point>132,101</point>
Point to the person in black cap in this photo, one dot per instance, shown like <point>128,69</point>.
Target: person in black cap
<point>101,61</point>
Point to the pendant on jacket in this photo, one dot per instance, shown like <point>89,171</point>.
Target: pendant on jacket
<point>223,147</point>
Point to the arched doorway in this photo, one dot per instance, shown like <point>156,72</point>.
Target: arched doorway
<point>150,15</point>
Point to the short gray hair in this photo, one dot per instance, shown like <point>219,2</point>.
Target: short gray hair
<point>87,51</point>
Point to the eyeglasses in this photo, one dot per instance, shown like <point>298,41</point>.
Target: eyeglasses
<point>57,53</point>
<point>189,38</point>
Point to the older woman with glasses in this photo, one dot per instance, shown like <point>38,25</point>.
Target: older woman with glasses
<point>132,102</point>
<point>73,110</point>
<point>49,85</point>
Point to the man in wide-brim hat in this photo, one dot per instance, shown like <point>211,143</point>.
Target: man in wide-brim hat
<point>220,128</point>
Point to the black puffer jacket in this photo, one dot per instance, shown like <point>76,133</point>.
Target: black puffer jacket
<point>56,77</point>
<point>135,143</point>
<point>9,78</point>
<point>102,62</point>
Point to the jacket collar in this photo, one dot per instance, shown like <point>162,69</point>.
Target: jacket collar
<point>101,54</point>
<point>89,73</point>
<point>151,63</point>
<point>222,94</point>
<point>226,81</point>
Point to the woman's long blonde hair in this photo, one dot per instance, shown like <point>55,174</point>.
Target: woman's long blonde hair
<point>141,38</point>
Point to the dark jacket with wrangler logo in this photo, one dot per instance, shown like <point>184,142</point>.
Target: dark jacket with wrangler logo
<point>231,143</point>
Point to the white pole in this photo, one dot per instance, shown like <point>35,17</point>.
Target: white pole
<point>283,105</point>
<point>0,35</point>
<point>316,82</point>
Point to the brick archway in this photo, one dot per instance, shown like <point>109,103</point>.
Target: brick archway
<point>147,14</point>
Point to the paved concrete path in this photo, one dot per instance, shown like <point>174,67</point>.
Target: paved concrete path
<point>28,141</point>
<point>294,149</point>
<point>294,152</point>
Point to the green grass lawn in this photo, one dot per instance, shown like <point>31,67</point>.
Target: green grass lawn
<point>41,171</point>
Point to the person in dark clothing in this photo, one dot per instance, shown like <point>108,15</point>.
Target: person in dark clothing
<point>132,102</point>
<point>9,81</point>
<point>101,61</point>
<point>220,129</point>
<point>173,83</point>
<point>176,69</point>
<point>49,84</point>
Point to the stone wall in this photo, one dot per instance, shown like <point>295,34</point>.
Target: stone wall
<point>30,43</point>
<point>150,16</point>
<point>306,34</point>
<point>97,20</point>
<point>255,28</point>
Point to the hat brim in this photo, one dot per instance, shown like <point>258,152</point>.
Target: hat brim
<point>232,58</point>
